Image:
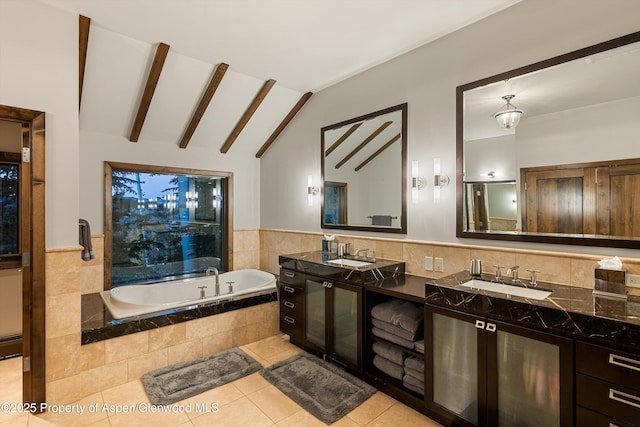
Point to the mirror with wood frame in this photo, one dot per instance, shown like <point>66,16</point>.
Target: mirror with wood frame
<point>364,172</point>
<point>567,170</point>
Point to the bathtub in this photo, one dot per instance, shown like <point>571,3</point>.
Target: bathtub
<point>137,300</point>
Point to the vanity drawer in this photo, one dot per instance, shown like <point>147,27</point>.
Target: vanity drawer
<point>615,366</point>
<point>607,398</point>
<point>588,418</point>
<point>291,277</point>
<point>292,325</point>
<point>291,306</point>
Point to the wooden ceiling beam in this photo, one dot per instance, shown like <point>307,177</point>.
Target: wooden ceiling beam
<point>207,95</point>
<point>303,100</point>
<point>364,143</point>
<point>247,115</point>
<point>152,81</point>
<point>83,44</point>
<point>378,152</point>
<point>340,140</point>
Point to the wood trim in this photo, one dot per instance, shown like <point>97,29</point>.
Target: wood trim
<point>247,115</point>
<point>340,140</point>
<point>207,95</point>
<point>83,43</point>
<point>32,215</point>
<point>9,157</point>
<point>285,122</point>
<point>378,152</point>
<point>152,82</point>
<point>363,143</point>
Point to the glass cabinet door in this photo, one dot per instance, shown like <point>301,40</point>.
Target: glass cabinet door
<point>315,317</point>
<point>454,350</point>
<point>528,387</point>
<point>345,323</point>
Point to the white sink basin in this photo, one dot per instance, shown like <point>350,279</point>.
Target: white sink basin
<point>345,262</point>
<point>502,288</point>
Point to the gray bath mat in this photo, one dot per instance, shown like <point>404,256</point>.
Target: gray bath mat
<point>324,390</point>
<point>180,381</point>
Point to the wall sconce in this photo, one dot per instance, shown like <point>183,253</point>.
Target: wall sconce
<point>439,180</point>
<point>215,198</point>
<point>192,199</point>
<point>417,182</point>
<point>311,190</point>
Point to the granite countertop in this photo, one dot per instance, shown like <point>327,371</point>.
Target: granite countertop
<point>320,265</point>
<point>569,310</point>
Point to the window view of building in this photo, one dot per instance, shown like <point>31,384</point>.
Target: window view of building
<point>9,226</point>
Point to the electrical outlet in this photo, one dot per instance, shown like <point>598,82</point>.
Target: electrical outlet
<point>428,263</point>
<point>633,281</point>
<point>439,265</point>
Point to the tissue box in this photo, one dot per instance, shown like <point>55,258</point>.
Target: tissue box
<point>610,283</point>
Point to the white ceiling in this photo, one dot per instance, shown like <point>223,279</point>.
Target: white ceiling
<point>305,45</point>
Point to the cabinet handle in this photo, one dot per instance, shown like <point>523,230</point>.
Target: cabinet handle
<point>491,327</point>
<point>289,304</point>
<point>625,362</point>
<point>289,289</point>
<point>626,398</point>
<point>480,324</point>
<point>289,319</point>
<point>289,274</point>
<point>327,284</point>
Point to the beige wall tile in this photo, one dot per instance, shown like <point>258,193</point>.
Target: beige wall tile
<point>65,356</point>
<point>62,272</point>
<point>389,250</point>
<point>140,365</point>
<point>124,347</point>
<point>455,259</point>
<point>203,327</point>
<point>413,255</point>
<point>91,279</point>
<point>216,343</point>
<point>167,336</point>
<point>491,258</point>
<point>232,319</point>
<point>551,268</point>
<point>183,352</point>
<point>62,315</point>
<point>583,272</point>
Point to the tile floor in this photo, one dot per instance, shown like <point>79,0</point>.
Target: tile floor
<point>249,401</point>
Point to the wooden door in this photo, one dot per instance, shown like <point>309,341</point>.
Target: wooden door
<point>480,215</point>
<point>555,201</point>
<point>618,198</point>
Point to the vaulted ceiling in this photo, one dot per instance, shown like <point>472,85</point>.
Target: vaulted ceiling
<point>231,74</point>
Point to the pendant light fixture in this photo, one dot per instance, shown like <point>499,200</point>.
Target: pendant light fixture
<point>509,116</point>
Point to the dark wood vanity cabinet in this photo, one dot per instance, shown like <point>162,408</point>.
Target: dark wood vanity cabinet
<point>322,316</point>
<point>607,386</point>
<point>291,293</point>
<point>480,372</point>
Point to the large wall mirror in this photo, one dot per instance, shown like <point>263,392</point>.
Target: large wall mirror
<point>550,152</point>
<point>364,172</point>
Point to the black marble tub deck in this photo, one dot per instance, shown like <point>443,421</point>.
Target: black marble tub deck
<point>98,324</point>
<point>569,310</point>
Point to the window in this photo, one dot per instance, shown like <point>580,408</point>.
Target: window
<point>9,209</point>
<point>164,223</point>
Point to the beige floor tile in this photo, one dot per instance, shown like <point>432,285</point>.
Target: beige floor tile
<point>14,419</point>
<point>401,415</point>
<point>301,418</point>
<point>271,346</point>
<point>258,359</point>
<point>275,404</point>
<point>371,408</point>
<point>283,355</point>
<point>77,414</point>
<point>126,394</point>
<point>240,413</point>
<point>211,400</point>
<point>251,383</point>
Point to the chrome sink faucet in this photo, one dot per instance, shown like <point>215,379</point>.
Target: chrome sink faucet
<point>215,271</point>
<point>358,250</point>
<point>513,272</point>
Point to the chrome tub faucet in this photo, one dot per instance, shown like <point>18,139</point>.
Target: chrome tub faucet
<point>215,271</point>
